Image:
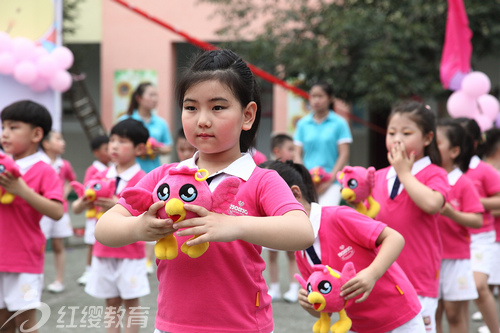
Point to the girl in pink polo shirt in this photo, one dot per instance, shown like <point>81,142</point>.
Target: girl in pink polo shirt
<point>487,182</point>
<point>411,192</point>
<point>383,299</point>
<point>224,289</point>
<point>462,209</point>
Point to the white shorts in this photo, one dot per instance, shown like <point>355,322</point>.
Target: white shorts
<point>456,281</point>
<point>89,237</point>
<point>124,278</point>
<point>56,229</point>
<point>481,251</point>
<point>494,278</point>
<point>20,290</point>
<point>331,197</point>
<point>428,313</point>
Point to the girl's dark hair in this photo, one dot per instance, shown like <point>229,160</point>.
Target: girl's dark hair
<point>29,112</point>
<point>458,137</point>
<point>491,141</point>
<point>294,174</point>
<point>327,88</point>
<point>229,69</point>
<point>473,129</point>
<point>138,92</point>
<point>425,120</point>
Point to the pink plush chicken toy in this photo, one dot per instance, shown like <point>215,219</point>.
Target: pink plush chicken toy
<point>357,184</point>
<point>319,175</point>
<point>93,190</point>
<point>323,292</point>
<point>150,145</point>
<point>7,164</point>
<point>182,185</point>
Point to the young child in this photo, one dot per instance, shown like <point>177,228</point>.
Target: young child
<point>383,299</point>
<point>282,148</point>
<point>99,147</point>
<point>183,148</point>
<point>223,290</point>
<point>487,182</point>
<point>117,274</point>
<point>37,193</point>
<point>53,146</point>
<point>462,209</point>
<point>411,192</point>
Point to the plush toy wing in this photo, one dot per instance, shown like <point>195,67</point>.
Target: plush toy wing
<point>300,279</point>
<point>78,188</point>
<point>138,198</point>
<point>224,194</point>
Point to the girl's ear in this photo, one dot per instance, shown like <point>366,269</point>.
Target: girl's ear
<point>428,138</point>
<point>249,116</point>
<point>454,152</point>
<point>296,192</point>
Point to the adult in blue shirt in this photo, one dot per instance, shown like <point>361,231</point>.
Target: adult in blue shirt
<point>323,139</point>
<point>142,103</point>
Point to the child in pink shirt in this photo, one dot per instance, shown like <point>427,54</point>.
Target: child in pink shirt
<point>461,210</point>
<point>224,289</point>
<point>37,193</point>
<point>382,297</point>
<point>411,192</point>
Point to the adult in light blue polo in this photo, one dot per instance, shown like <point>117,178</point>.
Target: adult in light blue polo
<point>323,139</point>
<point>142,103</point>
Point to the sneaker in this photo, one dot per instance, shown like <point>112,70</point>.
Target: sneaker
<point>291,296</point>
<point>149,267</point>
<point>275,294</point>
<point>483,329</point>
<point>55,287</point>
<point>477,316</point>
<point>82,280</point>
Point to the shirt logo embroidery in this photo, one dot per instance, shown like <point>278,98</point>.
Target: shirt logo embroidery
<point>345,252</point>
<point>237,210</point>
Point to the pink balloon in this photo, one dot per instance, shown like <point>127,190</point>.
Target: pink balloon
<point>7,63</point>
<point>39,85</point>
<point>61,81</point>
<point>40,51</point>
<point>460,104</point>
<point>63,57</point>
<point>47,66</point>
<point>25,72</point>
<point>484,122</point>
<point>488,106</point>
<point>23,49</point>
<point>476,84</point>
<point>5,42</point>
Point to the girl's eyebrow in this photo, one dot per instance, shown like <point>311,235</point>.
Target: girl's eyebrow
<point>215,99</point>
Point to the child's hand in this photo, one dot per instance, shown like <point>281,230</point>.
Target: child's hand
<point>209,226</point>
<point>106,203</point>
<point>447,209</point>
<point>14,185</point>
<point>152,228</point>
<point>363,282</point>
<point>303,301</point>
<point>398,158</point>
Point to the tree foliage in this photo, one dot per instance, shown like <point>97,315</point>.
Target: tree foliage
<point>372,51</point>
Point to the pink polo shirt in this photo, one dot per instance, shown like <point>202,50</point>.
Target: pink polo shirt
<point>344,236</point>
<point>22,243</point>
<point>93,169</point>
<point>224,289</point>
<point>65,171</point>
<point>463,197</point>
<point>421,256</point>
<point>487,182</point>
<point>129,178</point>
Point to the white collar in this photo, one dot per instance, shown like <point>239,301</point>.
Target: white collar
<point>474,162</point>
<point>57,164</point>
<point>99,165</point>
<point>315,218</point>
<point>454,176</point>
<point>27,162</point>
<point>241,168</point>
<point>125,175</point>
<point>416,168</point>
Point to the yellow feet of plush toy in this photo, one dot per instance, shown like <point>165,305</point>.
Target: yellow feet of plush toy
<point>91,212</point>
<point>166,248</point>
<point>323,323</point>
<point>196,250</point>
<point>343,325</point>
<point>7,198</point>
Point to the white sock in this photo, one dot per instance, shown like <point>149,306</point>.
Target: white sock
<point>294,286</point>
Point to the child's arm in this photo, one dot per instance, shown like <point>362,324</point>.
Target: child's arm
<point>290,232</point>
<point>425,198</point>
<point>106,203</point>
<point>45,206</point>
<point>391,243</point>
<point>81,204</point>
<point>471,220</point>
<point>491,202</point>
<point>342,160</point>
<point>67,189</point>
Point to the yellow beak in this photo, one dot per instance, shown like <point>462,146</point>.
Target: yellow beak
<point>175,210</point>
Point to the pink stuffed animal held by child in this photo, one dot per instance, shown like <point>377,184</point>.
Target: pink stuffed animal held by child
<point>323,292</point>
<point>151,144</point>
<point>7,164</point>
<point>182,185</point>
<point>319,175</point>
<point>93,190</point>
<point>357,184</point>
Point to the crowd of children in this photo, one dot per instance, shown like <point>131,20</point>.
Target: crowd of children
<point>425,256</point>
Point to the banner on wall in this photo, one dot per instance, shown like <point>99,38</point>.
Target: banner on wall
<point>124,83</point>
<point>41,22</point>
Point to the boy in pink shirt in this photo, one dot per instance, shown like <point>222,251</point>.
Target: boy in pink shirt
<point>118,274</point>
<point>22,243</point>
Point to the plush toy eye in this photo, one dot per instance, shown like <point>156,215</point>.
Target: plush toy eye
<point>324,287</point>
<point>352,183</point>
<point>97,187</point>
<point>188,193</point>
<point>163,192</point>
<point>2,168</point>
<point>309,288</point>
